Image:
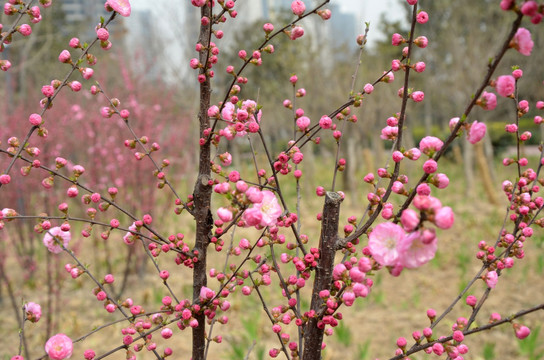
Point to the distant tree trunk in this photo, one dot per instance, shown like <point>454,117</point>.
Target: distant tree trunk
<point>485,175</point>
<point>468,167</point>
<point>349,176</point>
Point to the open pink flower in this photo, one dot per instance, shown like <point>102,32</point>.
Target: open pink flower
<point>55,235</point>
<point>59,347</point>
<point>505,85</point>
<point>383,241</point>
<point>476,132</point>
<point>120,6</point>
<point>414,251</point>
<point>265,212</point>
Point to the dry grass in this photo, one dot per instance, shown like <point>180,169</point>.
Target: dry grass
<point>395,307</point>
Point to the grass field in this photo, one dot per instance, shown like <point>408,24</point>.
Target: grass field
<point>395,307</point>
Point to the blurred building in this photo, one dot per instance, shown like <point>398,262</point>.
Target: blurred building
<point>82,10</point>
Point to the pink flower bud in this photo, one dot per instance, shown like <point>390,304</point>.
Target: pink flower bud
<point>505,85</point>
<point>298,7</point>
<point>444,218</point>
<point>35,119</point>
<point>65,57</point>
<point>74,43</point>
<point>521,331</point>
<point>418,96</point>
<point>102,34</point>
<point>409,219</point>
<point>422,17</point>
<point>430,166</point>
<point>25,30</point>
<point>297,32</point>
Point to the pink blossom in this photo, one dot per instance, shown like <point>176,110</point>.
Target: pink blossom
<point>297,32</point>
<point>75,86</point>
<point>224,214</point>
<point>421,41</point>
<point>511,128</point>
<point>206,293</point>
<point>505,85</point>
<point>59,347</point>
<point>325,122</point>
<point>529,8</point>
<point>303,122</point>
<point>265,212</point>
<point>420,67</point>
<point>87,73</point>
<point>254,195</point>
<point>102,34</point>
<point>522,331</point>
<point>368,88</point>
<point>65,56</point>
<point>55,235</point>
<point>444,218</point>
<point>422,17</point>
<point>418,96</point>
<point>123,6</point>
<point>397,39</point>
<point>409,219</point>
<point>522,41</point>
<point>25,29</point>
<point>507,4</point>
<point>4,180</point>
<point>389,133</point>
<point>488,101</point>
<point>397,156</point>
<point>33,311</point>
<point>268,28</point>
<point>414,251</point>
<point>388,77</point>
<point>348,298</point>
<point>298,7</point>
<point>491,279</point>
<point>476,132</point>
<point>35,119</point>
<point>74,43</point>
<point>441,181</point>
<point>383,241</point>
<point>430,144</point>
<point>48,90</point>
<point>325,14</point>
<point>423,190</point>
<point>430,166</point>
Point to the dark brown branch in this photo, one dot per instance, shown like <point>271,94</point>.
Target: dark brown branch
<point>202,193</point>
<point>313,336</point>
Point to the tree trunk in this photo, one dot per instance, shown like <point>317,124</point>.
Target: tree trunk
<point>313,335</point>
<point>485,174</point>
<point>202,196</point>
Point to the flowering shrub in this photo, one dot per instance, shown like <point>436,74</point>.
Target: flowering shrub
<point>396,231</point>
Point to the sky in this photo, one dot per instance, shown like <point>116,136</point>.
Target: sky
<point>365,10</point>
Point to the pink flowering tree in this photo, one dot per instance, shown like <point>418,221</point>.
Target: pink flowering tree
<point>246,215</point>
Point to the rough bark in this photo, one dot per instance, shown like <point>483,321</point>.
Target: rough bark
<point>313,336</point>
<point>202,196</point>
